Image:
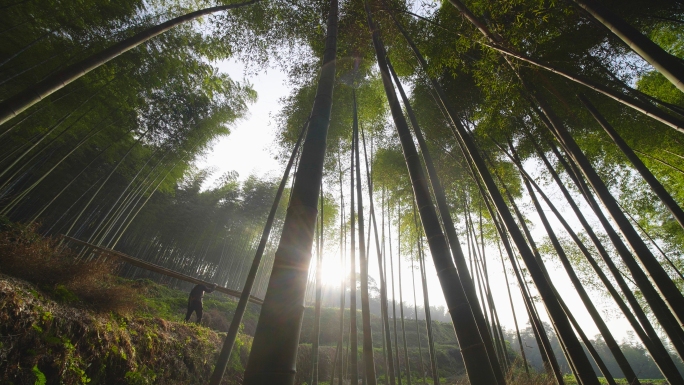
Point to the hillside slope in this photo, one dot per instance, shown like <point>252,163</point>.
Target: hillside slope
<point>44,341</point>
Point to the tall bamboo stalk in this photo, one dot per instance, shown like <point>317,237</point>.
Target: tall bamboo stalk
<point>612,344</point>
<point>107,218</point>
<point>668,65</point>
<point>471,152</point>
<point>319,288</point>
<point>10,206</point>
<point>592,351</point>
<point>497,42</point>
<point>673,297</point>
<point>415,315</point>
<point>475,356</point>
<point>14,105</point>
<point>274,350</point>
<point>537,256</point>
<point>368,359</point>
<point>352,277</point>
<point>56,196</point>
<point>401,302</point>
<point>44,136</point>
<point>450,231</point>
<point>343,286</point>
<point>394,294</point>
<point>654,243</point>
<point>658,306</point>
<point>426,303</point>
<point>101,185</point>
<point>515,319</point>
<point>547,353</point>
<point>383,282</point>
<point>656,186</point>
<point>650,340</point>
<point>486,293</point>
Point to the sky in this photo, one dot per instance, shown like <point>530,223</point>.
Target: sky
<point>249,149</point>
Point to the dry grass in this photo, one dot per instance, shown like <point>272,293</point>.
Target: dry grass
<point>28,255</point>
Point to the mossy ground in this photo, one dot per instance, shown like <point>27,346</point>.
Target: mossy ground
<point>48,341</point>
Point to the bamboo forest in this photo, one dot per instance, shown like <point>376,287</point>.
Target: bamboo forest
<point>356,192</point>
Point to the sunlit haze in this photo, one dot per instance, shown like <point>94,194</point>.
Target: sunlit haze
<point>249,150</point>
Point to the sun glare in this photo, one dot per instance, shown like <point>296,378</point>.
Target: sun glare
<point>332,272</point>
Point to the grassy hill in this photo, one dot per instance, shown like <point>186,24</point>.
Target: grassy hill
<point>63,321</point>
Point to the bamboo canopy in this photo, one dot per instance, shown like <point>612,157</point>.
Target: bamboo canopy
<point>106,108</point>
<point>158,269</point>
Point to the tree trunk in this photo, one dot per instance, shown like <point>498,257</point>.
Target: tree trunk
<point>657,188</point>
<point>368,359</point>
<point>658,306</point>
<point>469,148</point>
<point>14,105</point>
<point>276,340</point>
<point>673,297</point>
<point>317,311</point>
<point>475,356</point>
<point>650,340</point>
<point>229,341</point>
<point>668,65</point>
<point>383,283</point>
<point>450,230</point>
<point>612,344</point>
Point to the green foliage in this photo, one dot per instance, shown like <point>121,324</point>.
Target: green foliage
<point>141,376</point>
<point>114,151</point>
<point>40,377</point>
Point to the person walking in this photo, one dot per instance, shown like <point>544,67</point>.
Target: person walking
<point>195,301</point>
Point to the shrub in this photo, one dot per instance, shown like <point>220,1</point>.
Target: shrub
<point>28,255</point>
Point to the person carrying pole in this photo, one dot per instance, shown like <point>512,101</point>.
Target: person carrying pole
<point>195,301</point>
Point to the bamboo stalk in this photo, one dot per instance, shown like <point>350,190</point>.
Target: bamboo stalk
<point>273,357</point>
<point>14,105</point>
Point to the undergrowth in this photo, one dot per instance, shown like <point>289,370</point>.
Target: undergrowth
<point>58,271</point>
<point>69,321</point>
<point>43,341</point>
